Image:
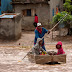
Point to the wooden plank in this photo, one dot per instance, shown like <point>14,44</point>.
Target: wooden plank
<point>41,59</point>
<point>59,58</point>
<point>31,57</point>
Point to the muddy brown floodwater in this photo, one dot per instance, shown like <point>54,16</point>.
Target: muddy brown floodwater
<point>11,54</point>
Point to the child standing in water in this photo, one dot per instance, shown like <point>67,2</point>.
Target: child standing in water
<point>60,49</point>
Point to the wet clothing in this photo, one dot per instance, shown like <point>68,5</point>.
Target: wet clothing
<point>40,35</point>
<point>60,51</point>
<point>37,48</point>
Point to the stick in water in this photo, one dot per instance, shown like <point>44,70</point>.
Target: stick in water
<point>57,23</point>
<point>26,55</point>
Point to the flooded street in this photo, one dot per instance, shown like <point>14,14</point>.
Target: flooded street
<point>12,53</point>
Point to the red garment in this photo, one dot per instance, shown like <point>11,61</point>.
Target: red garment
<point>36,19</point>
<point>60,51</point>
<point>39,30</point>
<point>56,11</point>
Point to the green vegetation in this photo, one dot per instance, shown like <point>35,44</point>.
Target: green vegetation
<point>68,6</point>
<point>68,20</point>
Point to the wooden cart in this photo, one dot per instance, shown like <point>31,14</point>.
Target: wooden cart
<point>42,59</point>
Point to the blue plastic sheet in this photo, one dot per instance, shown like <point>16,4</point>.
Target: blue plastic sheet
<point>6,6</point>
<point>7,16</point>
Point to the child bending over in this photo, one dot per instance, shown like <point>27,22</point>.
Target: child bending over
<point>37,49</point>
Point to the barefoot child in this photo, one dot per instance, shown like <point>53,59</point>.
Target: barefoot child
<point>37,49</point>
<point>59,47</point>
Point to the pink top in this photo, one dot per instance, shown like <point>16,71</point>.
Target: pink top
<point>60,51</point>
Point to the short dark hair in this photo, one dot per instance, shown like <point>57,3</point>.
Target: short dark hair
<point>35,14</point>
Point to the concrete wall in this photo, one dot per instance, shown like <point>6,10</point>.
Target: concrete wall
<point>10,28</point>
<point>53,4</point>
<point>6,28</point>
<point>42,10</point>
<point>44,14</point>
<point>17,23</point>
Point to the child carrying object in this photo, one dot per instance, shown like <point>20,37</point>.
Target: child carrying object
<point>37,49</point>
<point>59,47</point>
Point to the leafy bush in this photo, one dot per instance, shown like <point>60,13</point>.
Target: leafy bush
<point>59,16</point>
<point>68,6</point>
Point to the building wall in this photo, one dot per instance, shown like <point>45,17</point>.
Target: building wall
<point>44,14</point>
<point>42,10</point>
<point>53,4</point>
<point>10,28</point>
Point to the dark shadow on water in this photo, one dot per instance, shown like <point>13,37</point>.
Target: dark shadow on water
<point>52,63</point>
